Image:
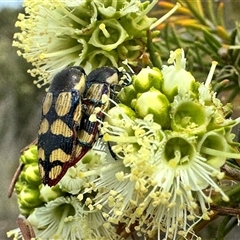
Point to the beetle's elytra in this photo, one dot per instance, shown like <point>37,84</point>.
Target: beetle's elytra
<point>61,118</point>
<point>66,133</point>
<point>99,82</point>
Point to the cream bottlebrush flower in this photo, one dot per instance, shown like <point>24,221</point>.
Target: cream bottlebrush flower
<point>69,218</point>
<point>78,177</point>
<point>92,34</point>
<point>57,219</point>
<point>164,176</point>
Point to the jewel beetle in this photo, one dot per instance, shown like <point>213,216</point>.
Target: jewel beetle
<point>99,82</point>
<point>65,133</point>
<point>60,123</point>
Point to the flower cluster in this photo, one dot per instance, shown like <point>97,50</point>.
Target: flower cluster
<point>168,138</point>
<point>171,135</point>
<point>92,34</point>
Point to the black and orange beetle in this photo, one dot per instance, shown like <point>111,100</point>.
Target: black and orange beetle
<point>66,134</point>
<point>60,123</point>
<point>99,83</point>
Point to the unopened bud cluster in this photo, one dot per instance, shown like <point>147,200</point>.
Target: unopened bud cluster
<point>184,108</point>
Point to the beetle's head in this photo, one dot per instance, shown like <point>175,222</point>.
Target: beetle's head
<point>108,75</point>
<point>69,78</point>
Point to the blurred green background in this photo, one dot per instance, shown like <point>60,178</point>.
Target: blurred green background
<point>20,106</point>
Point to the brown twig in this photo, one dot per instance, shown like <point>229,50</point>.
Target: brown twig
<point>231,172</point>
<point>14,179</point>
<point>19,169</point>
<point>26,228</point>
<point>222,210</point>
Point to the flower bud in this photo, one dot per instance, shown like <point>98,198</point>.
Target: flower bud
<point>175,77</point>
<point>155,103</point>
<point>30,155</point>
<point>146,79</point>
<point>25,210</point>
<point>87,157</point>
<point>127,94</point>
<point>31,174</point>
<point>128,111</point>
<point>119,117</point>
<point>115,115</point>
<point>29,197</point>
<point>48,194</point>
<point>19,186</point>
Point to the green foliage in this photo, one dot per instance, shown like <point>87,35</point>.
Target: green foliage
<point>199,27</point>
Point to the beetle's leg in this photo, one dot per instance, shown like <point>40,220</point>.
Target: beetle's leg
<point>84,110</point>
<point>114,156</point>
<point>91,101</point>
<point>84,144</point>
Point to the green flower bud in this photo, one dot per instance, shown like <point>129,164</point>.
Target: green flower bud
<point>155,103</point>
<point>118,116</point>
<point>127,94</point>
<point>128,111</point>
<point>176,77</point>
<point>22,159</point>
<point>115,114</point>
<point>30,155</point>
<point>26,211</point>
<point>88,157</point>
<point>133,103</point>
<point>19,186</point>
<point>146,79</point>
<point>29,197</point>
<point>48,194</point>
<point>31,174</point>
